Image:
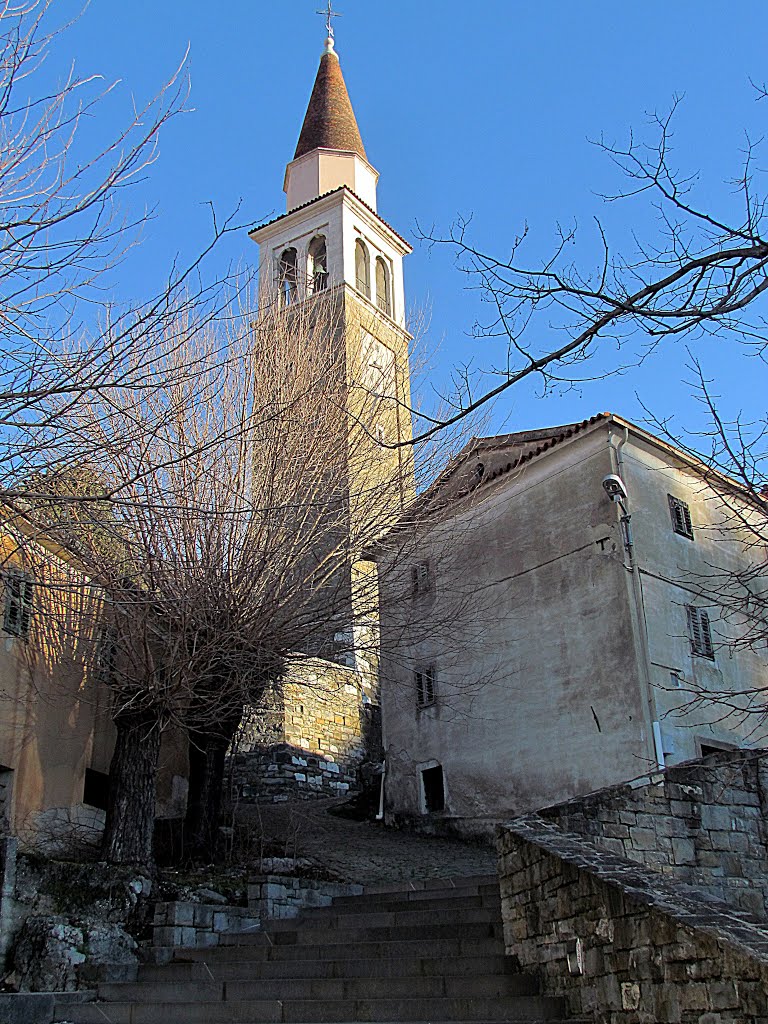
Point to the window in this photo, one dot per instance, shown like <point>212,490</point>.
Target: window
<point>383,289</point>
<point>681,517</point>
<point>699,632</point>
<point>318,265</point>
<point>421,579</point>
<point>433,788</point>
<point>18,603</point>
<point>289,278</point>
<point>363,268</point>
<point>96,789</point>
<point>424,678</point>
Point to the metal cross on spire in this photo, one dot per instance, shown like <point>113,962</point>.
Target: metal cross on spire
<point>330,14</point>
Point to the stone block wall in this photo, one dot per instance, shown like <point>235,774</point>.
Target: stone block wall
<point>309,737</point>
<point>283,896</point>
<point>703,822</point>
<point>199,925</point>
<point>621,943</point>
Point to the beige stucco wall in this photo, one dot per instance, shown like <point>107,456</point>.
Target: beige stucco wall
<point>675,571</point>
<point>531,633</point>
<point>54,720</point>
<point>537,631</point>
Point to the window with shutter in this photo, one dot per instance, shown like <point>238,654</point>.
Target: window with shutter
<point>421,579</point>
<point>699,632</point>
<point>681,517</point>
<point>424,677</point>
<point>18,603</point>
<point>383,290</point>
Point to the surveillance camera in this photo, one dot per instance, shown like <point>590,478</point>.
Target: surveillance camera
<point>614,487</point>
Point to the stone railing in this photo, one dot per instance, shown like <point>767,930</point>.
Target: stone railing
<point>621,943</point>
<point>703,822</point>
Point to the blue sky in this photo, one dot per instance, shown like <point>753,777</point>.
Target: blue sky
<point>482,110</point>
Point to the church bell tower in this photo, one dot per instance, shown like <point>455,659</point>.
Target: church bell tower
<point>332,242</point>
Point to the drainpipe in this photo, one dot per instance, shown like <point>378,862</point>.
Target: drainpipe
<point>380,815</point>
<point>652,726</point>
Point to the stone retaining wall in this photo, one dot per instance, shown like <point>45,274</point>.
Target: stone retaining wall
<point>189,924</point>
<point>309,736</point>
<point>282,896</point>
<point>622,944</point>
<point>285,773</point>
<point>703,822</point>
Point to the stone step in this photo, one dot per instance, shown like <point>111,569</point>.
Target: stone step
<point>318,1011</point>
<point>374,904</point>
<point>453,882</point>
<point>487,986</point>
<point>409,918</point>
<point>348,967</point>
<point>419,895</point>
<point>459,945</point>
<point>297,934</point>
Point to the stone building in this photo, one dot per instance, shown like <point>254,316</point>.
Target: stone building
<point>549,641</point>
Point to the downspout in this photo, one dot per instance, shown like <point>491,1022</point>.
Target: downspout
<point>380,815</point>
<point>651,722</point>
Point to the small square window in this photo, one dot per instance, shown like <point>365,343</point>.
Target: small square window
<point>18,603</point>
<point>421,579</point>
<point>699,632</point>
<point>424,678</point>
<point>676,680</point>
<point>681,517</point>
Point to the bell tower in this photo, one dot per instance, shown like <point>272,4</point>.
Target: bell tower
<point>332,242</point>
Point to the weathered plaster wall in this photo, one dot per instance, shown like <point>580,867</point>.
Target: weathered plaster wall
<point>675,571</point>
<point>622,944</point>
<point>529,627</point>
<point>54,720</point>
<point>554,645</point>
<point>704,823</point>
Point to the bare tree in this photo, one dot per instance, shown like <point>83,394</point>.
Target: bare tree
<point>226,514</point>
<point>64,230</point>
<point>703,274</point>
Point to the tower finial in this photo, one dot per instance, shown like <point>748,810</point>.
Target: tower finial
<point>329,14</point>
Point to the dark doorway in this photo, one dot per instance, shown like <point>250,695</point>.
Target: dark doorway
<point>434,790</point>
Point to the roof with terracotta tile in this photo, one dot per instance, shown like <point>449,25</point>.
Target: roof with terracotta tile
<point>330,121</point>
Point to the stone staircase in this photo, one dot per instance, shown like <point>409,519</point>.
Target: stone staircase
<point>434,953</point>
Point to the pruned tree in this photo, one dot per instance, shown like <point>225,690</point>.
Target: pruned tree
<point>227,512</point>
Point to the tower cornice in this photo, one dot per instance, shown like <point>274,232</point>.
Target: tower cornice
<point>273,227</point>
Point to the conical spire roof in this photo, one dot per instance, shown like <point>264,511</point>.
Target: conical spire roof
<point>330,121</point>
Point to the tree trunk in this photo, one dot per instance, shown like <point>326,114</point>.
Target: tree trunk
<point>207,756</point>
<point>129,831</point>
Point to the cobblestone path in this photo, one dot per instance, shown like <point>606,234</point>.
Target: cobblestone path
<point>364,851</point>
